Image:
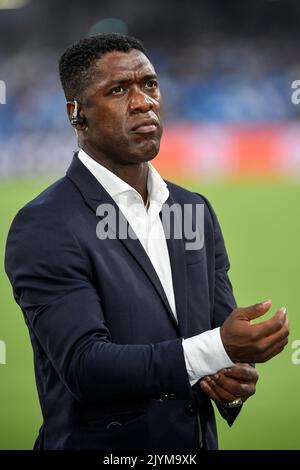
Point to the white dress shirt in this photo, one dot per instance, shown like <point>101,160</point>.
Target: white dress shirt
<point>204,353</point>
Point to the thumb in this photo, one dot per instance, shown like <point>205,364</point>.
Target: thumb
<point>255,311</point>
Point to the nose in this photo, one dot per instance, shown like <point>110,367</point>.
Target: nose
<point>140,102</point>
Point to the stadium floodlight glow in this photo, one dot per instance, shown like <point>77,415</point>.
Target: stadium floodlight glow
<point>13,4</point>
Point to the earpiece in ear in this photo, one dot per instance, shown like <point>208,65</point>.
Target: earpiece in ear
<point>75,113</point>
<point>75,119</point>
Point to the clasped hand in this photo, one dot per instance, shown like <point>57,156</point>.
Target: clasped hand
<point>238,381</point>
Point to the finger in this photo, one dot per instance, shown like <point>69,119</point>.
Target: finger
<point>210,392</point>
<point>280,334</point>
<point>269,327</point>
<point>232,386</point>
<point>242,372</point>
<point>273,350</point>
<point>226,369</point>
<point>255,311</point>
<point>222,393</point>
<point>274,340</point>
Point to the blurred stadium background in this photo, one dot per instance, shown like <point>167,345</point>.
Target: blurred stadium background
<point>231,132</point>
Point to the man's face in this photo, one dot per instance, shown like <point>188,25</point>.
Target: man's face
<point>122,106</point>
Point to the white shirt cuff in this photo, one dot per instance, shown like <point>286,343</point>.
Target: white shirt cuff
<point>204,354</point>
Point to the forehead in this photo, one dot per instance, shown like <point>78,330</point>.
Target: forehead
<point>119,65</point>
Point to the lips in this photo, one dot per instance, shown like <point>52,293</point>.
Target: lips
<point>145,126</point>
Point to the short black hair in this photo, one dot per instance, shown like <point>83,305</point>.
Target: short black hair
<point>76,63</point>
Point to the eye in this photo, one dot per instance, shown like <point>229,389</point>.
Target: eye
<point>152,84</point>
<point>117,90</point>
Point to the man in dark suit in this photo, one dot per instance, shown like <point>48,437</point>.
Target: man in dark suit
<point>135,331</point>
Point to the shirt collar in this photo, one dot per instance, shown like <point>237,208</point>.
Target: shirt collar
<point>157,188</point>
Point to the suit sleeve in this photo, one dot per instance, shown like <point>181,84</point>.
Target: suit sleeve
<point>52,284</point>
<point>224,301</point>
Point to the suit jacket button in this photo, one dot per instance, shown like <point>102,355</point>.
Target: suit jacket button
<point>189,409</point>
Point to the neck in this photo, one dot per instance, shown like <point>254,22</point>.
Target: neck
<point>134,174</point>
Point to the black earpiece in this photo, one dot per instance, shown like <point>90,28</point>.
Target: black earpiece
<point>75,119</point>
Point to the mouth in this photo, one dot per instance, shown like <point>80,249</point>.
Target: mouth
<point>145,126</point>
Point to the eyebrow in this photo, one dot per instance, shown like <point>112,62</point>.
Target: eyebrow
<point>124,80</point>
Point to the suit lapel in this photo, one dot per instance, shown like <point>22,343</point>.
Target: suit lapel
<point>94,194</point>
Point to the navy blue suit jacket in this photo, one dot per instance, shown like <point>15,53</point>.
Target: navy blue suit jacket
<point>108,353</point>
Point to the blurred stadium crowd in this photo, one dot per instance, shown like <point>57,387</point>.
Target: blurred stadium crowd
<point>210,70</point>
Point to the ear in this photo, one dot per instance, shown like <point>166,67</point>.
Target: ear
<point>70,109</point>
<point>76,116</point>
